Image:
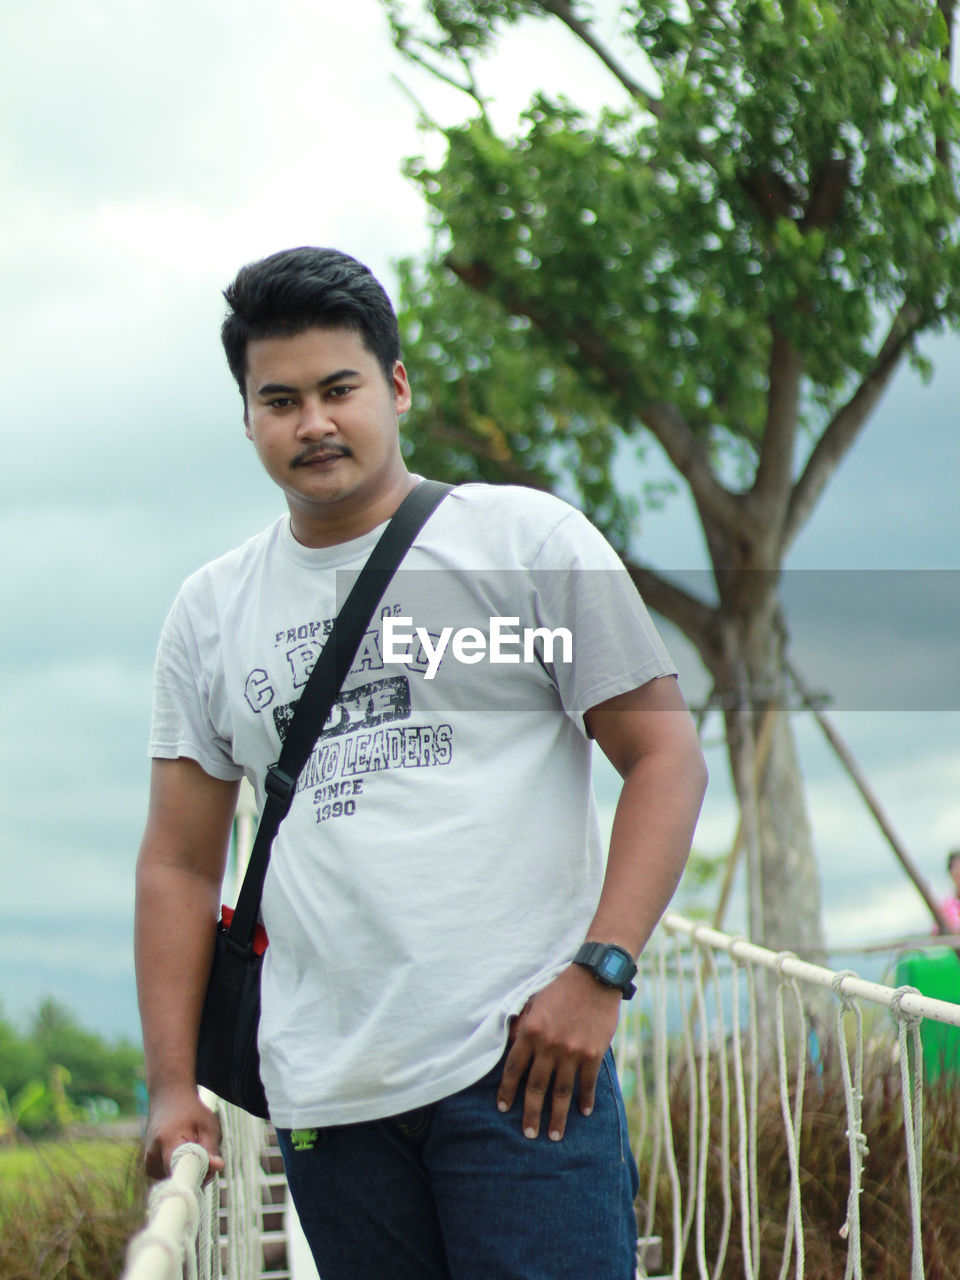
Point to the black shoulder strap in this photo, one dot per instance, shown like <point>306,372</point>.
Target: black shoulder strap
<point>323,686</point>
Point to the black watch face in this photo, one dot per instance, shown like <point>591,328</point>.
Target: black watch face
<point>614,968</point>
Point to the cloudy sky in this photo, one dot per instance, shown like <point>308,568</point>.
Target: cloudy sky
<point>147,150</point>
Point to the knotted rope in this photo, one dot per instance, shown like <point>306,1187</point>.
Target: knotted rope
<point>856,1138</point>
<point>167,1242</point>
<point>791,1122</point>
<point>908,1045</point>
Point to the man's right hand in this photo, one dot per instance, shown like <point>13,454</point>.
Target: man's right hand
<point>178,1116</point>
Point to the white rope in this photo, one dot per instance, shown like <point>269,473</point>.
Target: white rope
<point>190,1197</point>
<point>722,1061</point>
<point>856,1138</point>
<point>182,1234</point>
<point>242,1149</point>
<point>944,1011</point>
<point>746,1166</point>
<point>908,1043</point>
<point>208,1239</point>
<point>663,1100</point>
<point>753,1114</point>
<point>159,1250</point>
<point>630,1050</point>
<point>704,1108</point>
<point>694,1069</point>
<point>703,955</point>
<point>791,1122</point>
<point>692,1102</point>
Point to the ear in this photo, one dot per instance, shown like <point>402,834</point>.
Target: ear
<point>401,388</point>
<point>246,422</point>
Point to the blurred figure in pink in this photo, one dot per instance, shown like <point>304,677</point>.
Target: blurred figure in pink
<point>951,906</point>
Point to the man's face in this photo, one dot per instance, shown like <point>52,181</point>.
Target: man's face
<point>323,419</point>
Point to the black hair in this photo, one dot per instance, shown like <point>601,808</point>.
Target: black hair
<point>307,288</point>
<point>952,857</point>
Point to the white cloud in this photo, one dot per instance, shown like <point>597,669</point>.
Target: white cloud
<point>880,912</point>
<point>147,150</point>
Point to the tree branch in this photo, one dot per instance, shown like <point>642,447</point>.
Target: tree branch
<point>775,467</point>
<point>426,119</point>
<point>469,88</point>
<point>696,619</point>
<point>770,194</point>
<point>843,429</point>
<point>688,455</point>
<point>477,446</point>
<point>827,191</point>
<point>684,449</point>
<point>562,10</point>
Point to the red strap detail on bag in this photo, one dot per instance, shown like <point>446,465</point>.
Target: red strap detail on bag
<point>260,939</point>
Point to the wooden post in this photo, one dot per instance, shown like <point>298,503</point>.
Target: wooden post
<point>873,804</point>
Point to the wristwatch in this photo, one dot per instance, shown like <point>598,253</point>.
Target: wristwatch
<point>609,964</point>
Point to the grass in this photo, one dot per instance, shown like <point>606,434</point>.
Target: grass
<point>824,1171</point>
<point>67,1210</point>
<point>24,1163</point>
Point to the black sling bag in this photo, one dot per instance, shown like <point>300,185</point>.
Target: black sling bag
<point>228,1059</point>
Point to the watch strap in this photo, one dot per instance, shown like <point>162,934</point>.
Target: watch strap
<point>591,956</point>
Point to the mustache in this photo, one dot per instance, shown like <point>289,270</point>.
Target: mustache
<point>320,451</point>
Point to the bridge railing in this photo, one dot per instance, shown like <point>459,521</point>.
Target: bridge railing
<point>227,1228</point>
<point>717,1024</point>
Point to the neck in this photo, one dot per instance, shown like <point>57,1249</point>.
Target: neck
<point>350,517</point>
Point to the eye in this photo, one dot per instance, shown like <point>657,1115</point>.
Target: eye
<point>340,392</point>
<point>280,402</point>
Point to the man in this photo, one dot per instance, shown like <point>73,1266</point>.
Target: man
<point>436,1064</point>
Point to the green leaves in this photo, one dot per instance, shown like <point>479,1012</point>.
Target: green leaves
<point>456,27</point>
<point>796,176</point>
<point>57,1064</point>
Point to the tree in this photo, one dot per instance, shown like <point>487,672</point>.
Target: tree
<point>57,1067</point>
<point>733,259</point>
<point>92,1067</point>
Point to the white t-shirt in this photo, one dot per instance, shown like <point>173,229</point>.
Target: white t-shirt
<point>441,860</point>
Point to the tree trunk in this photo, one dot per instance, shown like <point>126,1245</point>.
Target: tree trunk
<point>789,875</point>
<point>785,912</point>
<point>783,879</point>
<point>789,888</point>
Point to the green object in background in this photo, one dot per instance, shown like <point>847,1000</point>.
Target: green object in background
<point>935,973</point>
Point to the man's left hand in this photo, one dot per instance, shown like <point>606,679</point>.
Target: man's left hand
<point>563,1031</point>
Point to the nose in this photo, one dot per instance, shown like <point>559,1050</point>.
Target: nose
<point>314,421</point>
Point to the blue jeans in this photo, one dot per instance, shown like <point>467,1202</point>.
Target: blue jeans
<point>454,1191</point>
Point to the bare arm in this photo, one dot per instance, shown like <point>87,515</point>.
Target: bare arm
<point>179,873</point>
<point>649,737</point>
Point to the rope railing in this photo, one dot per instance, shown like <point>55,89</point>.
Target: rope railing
<point>168,1244</point>
<point>197,1230</point>
<point>714,1040</point>
<point>909,1003</point>
<point>710,1045</point>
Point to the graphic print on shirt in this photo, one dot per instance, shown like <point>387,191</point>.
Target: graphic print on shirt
<point>364,733</point>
